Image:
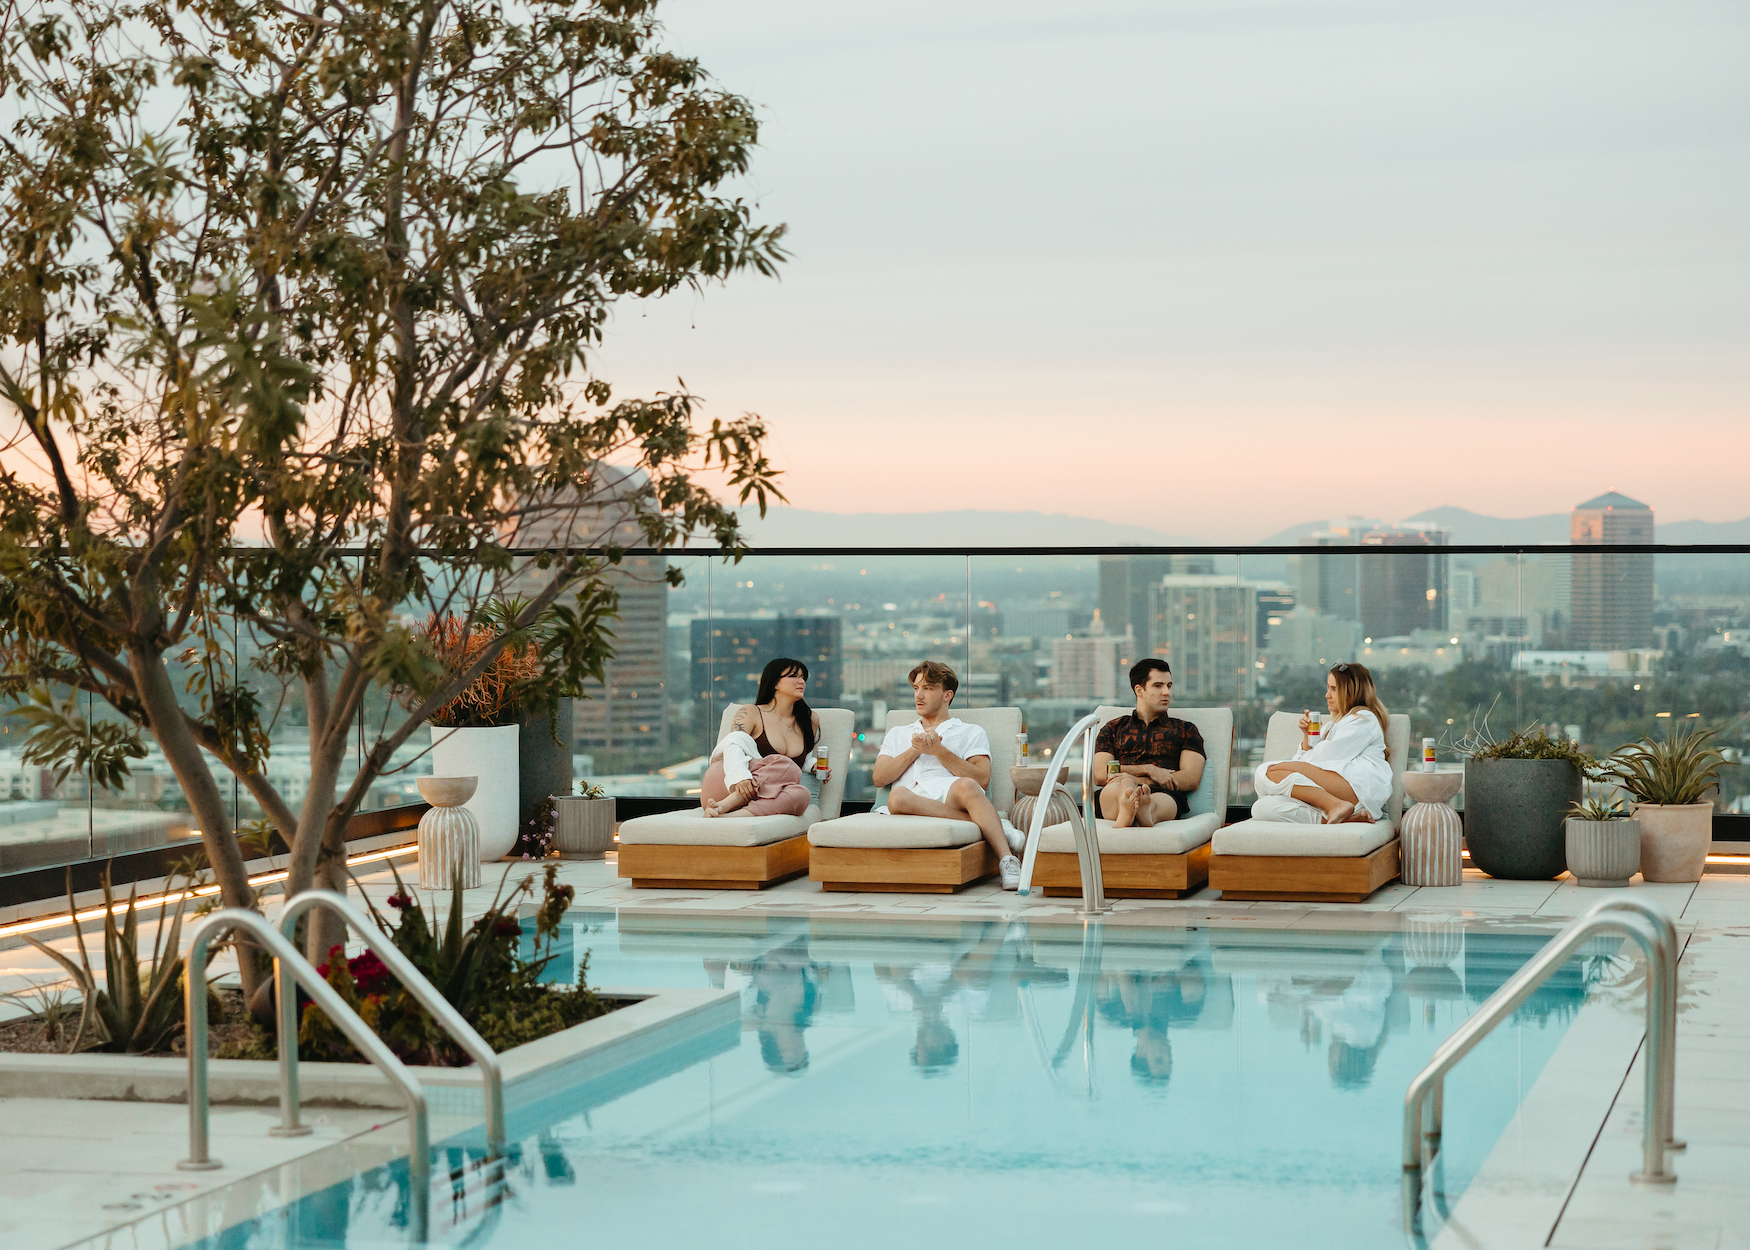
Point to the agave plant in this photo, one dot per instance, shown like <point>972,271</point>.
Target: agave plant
<point>140,1008</point>
<point>1597,808</point>
<point>1672,773</point>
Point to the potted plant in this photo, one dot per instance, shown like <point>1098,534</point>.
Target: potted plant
<point>475,734</point>
<point>1518,791</point>
<point>1603,843</point>
<point>583,823</point>
<point>1668,780</point>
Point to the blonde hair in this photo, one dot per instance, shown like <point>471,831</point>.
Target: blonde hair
<point>1355,689</point>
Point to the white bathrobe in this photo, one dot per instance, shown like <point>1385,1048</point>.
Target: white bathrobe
<point>1354,749</point>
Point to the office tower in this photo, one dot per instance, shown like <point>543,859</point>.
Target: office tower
<point>1089,667</point>
<point>623,720</point>
<point>1307,639</point>
<point>1406,590</point>
<point>1611,593</point>
<point>1126,582</point>
<point>729,653</point>
<point>1326,582</point>
<point>1461,596</point>
<point>1202,626</point>
<point>1275,601</point>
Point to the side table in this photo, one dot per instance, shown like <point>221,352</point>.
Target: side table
<point>1432,835</point>
<point>1028,782</point>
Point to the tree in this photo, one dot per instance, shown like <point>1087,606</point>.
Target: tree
<point>299,306</point>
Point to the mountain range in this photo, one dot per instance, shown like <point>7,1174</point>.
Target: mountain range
<point>799,527</point>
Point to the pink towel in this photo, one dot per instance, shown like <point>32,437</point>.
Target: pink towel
<point>778,788</point>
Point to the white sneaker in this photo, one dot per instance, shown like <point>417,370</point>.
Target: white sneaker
<point>1011,870</point>
<point>1017,839</point>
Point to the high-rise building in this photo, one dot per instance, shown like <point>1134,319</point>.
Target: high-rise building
<point>1406,590</point>
<point>1203,627</point>
<point>1611,593</point>
<point>729,654</point>
<point>1127,582</point>
<point>1326,582</point>
<point>1307,639</point>
<point>624,719</point>
<point>1087,667</point>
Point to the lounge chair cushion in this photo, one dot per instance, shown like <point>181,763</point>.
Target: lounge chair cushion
<point>867,830</point>
<point>693,828</point>
<point>1173,837</point>
<point>1271,837</point>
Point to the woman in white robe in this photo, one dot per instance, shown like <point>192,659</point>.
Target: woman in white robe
<point>1345,775</point>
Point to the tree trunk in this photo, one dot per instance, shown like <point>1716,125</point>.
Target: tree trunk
<point>183,753</point>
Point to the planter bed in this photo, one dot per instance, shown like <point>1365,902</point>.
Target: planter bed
<point>643,1022</point>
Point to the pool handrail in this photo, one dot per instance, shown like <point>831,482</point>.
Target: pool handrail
<point>298,969</point>
<point>414,982</point>
<point>1087,833</point>
<point>1654,933</point>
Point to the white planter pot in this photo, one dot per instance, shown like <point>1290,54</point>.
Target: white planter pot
<point>1603,852</point>
<point>583,828</point>
<point>491,755</point>
<point>1674,840</point>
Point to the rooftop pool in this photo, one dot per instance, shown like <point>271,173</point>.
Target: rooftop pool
<point>997,1084</point>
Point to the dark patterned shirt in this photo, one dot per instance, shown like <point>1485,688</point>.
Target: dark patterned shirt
<point>1160,742</point>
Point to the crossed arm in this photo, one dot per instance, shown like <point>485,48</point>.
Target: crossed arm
<point>1183,778</point>
<point>890,768</point>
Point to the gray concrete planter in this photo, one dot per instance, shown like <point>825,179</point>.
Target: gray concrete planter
<point>543,762</point>
<point>1514,811</point>
<point>584,828</point>
<point>1603,852</point>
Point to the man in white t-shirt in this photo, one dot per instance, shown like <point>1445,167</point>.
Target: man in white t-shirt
<point>939,765</point>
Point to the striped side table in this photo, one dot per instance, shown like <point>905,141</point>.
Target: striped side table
<point>1432,835</point>
<point>449,836</point>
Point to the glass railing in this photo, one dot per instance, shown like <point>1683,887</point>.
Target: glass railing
<point>1602,646</point>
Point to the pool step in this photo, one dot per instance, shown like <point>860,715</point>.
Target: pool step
<point>462,1195</point>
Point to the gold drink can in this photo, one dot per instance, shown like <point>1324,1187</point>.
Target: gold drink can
<point>1113,768</point>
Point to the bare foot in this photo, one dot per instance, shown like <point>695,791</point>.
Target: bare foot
<point>1359,817</point>
<point>728,803</point>
<point>1145,808</point>
<point>1126,808</point>
<point>1340,813</point>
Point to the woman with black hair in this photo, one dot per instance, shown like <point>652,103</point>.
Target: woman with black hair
<point>757,767</point>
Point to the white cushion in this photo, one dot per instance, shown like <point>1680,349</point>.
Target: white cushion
<point>693,828</point>
<point>1170,837</point>
<point>915,833</point>
<point>1278,837</point>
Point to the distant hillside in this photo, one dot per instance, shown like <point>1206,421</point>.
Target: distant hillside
<point>798,527</point>
<point>1473,527</point>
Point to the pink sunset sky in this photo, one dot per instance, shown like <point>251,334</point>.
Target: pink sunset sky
<point>1219,267</point>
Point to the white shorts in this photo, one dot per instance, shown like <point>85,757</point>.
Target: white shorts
<point>934,787</point>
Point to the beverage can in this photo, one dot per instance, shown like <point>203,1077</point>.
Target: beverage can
<point>820,759</point>
<point>1427,755</point>
<point>1021,747</point>
<point>1113,768</point>
<point>1314,730</point>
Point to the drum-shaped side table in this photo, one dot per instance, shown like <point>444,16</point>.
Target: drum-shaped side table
<point>1432,835</point>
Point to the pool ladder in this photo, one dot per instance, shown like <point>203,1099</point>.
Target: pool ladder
<point>1087,832</point>
<point>1651,930</point>
<point>290,967</point>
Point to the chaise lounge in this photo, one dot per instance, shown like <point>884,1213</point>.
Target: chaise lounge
<point>688,850</point>
<point>1169,860</point>
<point>916,854</point>
<point>1272,860</point>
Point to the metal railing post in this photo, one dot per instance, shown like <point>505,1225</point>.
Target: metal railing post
<point>423,991</point>
<point>1086,830</point>
<point>1654,933</point>
<point>343,1017</point>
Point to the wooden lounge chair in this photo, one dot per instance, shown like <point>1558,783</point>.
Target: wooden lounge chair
<point>687,850</point>
<point>1273,860</point>
<point>916,854</point>
<point>1168,861</point>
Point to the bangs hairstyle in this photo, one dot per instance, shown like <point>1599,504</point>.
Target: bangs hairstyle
<point>1355,689</point>
<point>934,673</point>
<point>774,672</point>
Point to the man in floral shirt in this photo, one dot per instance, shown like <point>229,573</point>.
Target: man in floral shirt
<point>1160,758</point>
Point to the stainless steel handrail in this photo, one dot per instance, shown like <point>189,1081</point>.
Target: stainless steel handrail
<point>1654,933</point>
<point>1087,832</point>
<point>287,957</point>
<point>413,981</point>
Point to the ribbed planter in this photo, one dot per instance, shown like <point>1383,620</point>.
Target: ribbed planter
<point>582,828</point>
<point>1061,808</point>
<point>1603,852</point>
<point>449,836</point>
<point>1674,840</point>
<point>1514,811</point>
<point>491,755</point>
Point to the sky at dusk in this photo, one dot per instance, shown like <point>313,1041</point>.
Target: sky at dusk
<point>1218,266</point>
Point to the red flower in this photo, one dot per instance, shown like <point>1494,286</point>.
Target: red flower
<point>401,901</point>
<point>507,928</point>
<point>370,973</point>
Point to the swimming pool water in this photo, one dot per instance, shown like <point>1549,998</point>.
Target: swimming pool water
<point>1000,1084</point>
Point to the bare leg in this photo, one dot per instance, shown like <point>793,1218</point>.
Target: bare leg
<point>1163,809</point>
<point>966,801</point>
<point>1125,802</point>
<point>1335,810</point>
<point>729,802</point>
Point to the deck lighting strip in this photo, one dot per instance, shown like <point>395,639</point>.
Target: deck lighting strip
<point>177,896</point>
